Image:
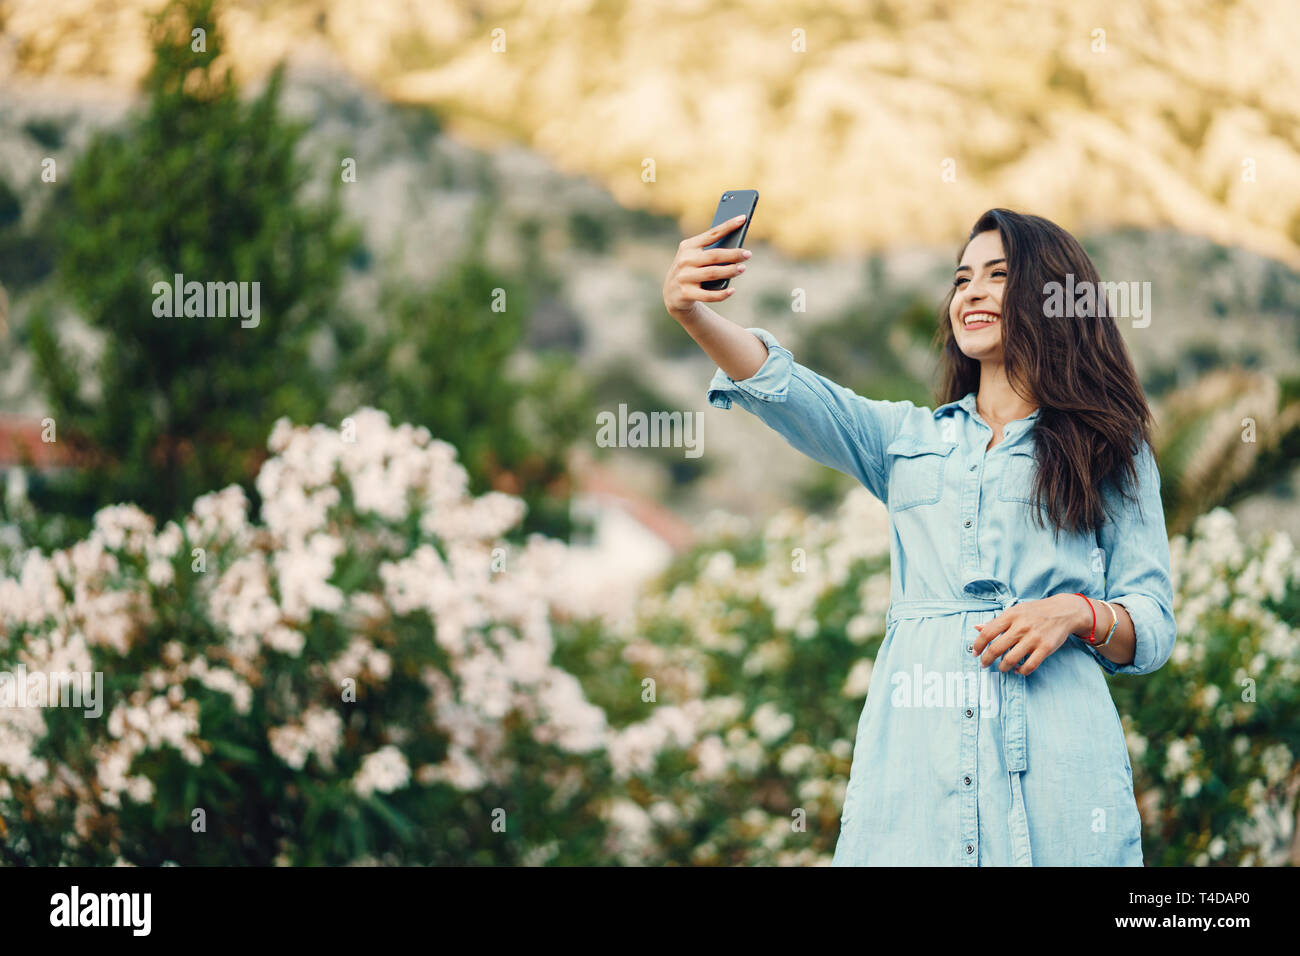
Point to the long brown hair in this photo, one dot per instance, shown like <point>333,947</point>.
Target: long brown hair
<point>1077,370</point>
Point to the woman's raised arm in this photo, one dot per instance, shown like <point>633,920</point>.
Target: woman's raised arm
<point>737,352</point>
<point>827,422</point>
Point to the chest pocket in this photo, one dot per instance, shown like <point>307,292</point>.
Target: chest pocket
<point>1018,477</point>
<point>916,476</point>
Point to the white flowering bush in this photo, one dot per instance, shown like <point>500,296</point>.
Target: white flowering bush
<point>757,652</point>
<point>364,674</point>
<point>373,671</point>
<point>1214,734</point>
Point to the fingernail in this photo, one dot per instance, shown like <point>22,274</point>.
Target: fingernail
<point>740,268</point>
<point>748,253</point>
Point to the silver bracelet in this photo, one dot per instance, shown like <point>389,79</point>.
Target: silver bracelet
<point>1114,622</point>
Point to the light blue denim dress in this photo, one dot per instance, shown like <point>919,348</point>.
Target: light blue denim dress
<point>954,764</point>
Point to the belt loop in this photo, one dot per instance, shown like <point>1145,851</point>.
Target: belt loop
<point>1014,752</point>
<point>1013,721</point>
<point>1019,825</point>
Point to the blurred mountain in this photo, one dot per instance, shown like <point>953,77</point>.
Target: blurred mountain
<point>1162,113</point>
<point>549,138</point>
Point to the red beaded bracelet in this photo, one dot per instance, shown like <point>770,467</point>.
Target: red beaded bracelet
<point>1092,635</point>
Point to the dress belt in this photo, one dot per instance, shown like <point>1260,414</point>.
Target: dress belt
<point>1011,688</point>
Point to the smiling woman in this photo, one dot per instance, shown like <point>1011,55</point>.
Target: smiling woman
<point>1028,532</point>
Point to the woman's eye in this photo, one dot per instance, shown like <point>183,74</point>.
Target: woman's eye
<point>957,282</point>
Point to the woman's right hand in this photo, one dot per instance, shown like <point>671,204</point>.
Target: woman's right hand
<point>695,264</point>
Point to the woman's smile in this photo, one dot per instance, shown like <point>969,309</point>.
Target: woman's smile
<point>979,319</point>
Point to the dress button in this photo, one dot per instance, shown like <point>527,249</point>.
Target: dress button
<point>966,523</point>
<point>970,648</point>
<point>973,467</point>
<point>969,712</point>
<point>969,849</point>
<point>966,780</point>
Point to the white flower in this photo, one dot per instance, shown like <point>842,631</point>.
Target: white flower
<point>631,829</point>
<point>227,682</point>
<point>1276,762</point>
<point>770,724</point>
<point>1137,745</point>
<point>123,527</point>
<point>290,744</point>
<point>303,570</point>
<point>219,516</point>
<point>286,640</point>
<point>1178,758</point>
<point>858,681</point>
<point>710,759</point>
<point>719,567</point>
<point>360,658</point>
<point>140,789</point>
<point>160,573</point>
<point>577,725</point>
<point>383,771</point>
<point>242,603</point>
<point>797,757</point>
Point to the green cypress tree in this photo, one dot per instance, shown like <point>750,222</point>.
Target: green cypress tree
<point>208,185</point>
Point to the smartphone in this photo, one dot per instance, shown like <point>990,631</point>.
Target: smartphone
<point>734,202</point>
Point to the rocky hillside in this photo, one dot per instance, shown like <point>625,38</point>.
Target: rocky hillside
<point>559,159</point>
<point>1164,113</point>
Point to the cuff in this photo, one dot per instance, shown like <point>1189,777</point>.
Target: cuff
<point>1145,621</point>
<point>770,383</point>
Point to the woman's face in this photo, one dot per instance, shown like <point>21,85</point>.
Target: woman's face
<point>976,310</point>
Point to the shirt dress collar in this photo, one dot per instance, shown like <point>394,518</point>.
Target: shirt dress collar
<point>968,402</point>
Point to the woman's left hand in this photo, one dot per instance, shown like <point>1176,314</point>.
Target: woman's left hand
<point>1032,629</point>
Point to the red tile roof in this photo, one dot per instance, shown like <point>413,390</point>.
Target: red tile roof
<point>20,444</point>
<point>598,481</point>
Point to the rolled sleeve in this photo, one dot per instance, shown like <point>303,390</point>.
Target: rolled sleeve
<point>1137,571</point>
<point>827,422</point>
<point>771,383</point>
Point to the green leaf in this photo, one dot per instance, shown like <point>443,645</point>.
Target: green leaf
<point>224,748</point>
<point>395,820</point>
